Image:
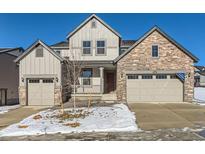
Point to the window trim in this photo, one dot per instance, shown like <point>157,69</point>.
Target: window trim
<point>91,82</point>
<point>96,48</point>
<point>152,50</point>
<point>86,47</point>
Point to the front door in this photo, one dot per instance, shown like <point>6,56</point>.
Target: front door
<point>110,82</point>
<point>3,95</point>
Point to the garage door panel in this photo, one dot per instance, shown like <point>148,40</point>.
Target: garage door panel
<point>154,90</point>
<point>40,93</point>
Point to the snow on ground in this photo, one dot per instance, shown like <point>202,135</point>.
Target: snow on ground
<point>4,109</point>
<point>100,119</point>
<point>199,95</point>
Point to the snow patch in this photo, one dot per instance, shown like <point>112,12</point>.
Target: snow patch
<point>199,95</point>
<point>4,109</point>
<point>100,119</point>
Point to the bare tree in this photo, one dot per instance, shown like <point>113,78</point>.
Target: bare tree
<point>72,71</point>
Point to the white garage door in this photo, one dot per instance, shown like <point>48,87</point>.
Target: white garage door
<point>40,92</point>
<point>154,88</point>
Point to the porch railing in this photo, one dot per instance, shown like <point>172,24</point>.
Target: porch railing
<point>89,85</point>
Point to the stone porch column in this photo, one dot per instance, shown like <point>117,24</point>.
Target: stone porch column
<point>102,79</point>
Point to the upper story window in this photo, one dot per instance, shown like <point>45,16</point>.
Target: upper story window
<point>100,47</point>
<point>86,47</point>
<point>39,51</point>
<point>58,51</point>
<point>93,24</point>
<point>155,51</point>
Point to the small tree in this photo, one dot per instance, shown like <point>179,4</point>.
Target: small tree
<point>72,66</point>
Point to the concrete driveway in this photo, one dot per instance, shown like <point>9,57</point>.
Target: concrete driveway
<point>17,115</point>
<point>151,116</point>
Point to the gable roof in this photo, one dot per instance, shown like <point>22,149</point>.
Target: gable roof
<point>29,49</point>
<point>155,28</point>
<point>200,68</point>
<point>87,20</point>
<point>62,44</point>
<point>127,43</point>
<point>12,51</point>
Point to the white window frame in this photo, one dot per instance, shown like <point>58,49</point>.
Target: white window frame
<point>105,48</point>
<point>87,48</point>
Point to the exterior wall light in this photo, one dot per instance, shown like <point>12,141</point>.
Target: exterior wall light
<point>56,79</point>
<point>22,79</point>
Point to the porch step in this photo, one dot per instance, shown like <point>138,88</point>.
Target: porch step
<point>109,97</point>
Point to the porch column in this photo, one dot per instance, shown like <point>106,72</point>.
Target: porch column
<point>102,79</point>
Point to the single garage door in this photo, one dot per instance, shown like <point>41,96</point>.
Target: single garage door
<point>154,88</point>
<point>40,92</point>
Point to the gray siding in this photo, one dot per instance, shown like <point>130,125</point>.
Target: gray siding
<point>9,77</point>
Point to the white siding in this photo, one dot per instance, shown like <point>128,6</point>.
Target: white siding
<point>93,34</point>
<point>46,65</point>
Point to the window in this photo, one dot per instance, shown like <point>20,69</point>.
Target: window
<point>34,81</point>
<point>39,52</point>
<point>47,80</point>
<point>155,52</point>
<point>86,47</point>
<point>147,76</point>
<point>93,24</point>
<point>161,76</point>
<point>58,51</point>
<point>132,76</point>
<point>86,76</point>
<point>100,47</point>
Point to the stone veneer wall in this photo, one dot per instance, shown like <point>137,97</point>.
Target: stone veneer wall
<point>22,95</point>
<point>170,58</point>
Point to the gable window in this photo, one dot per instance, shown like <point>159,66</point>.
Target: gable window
<point>100,47</point>
<point>93,24</point>
<point>39,52</point>
<point>155,51</point>
<point>86,47</point>
<point>86,76</point>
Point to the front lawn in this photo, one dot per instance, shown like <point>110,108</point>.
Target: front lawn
<point>98,119</point>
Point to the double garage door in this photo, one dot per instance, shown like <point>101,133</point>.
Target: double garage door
<point>154,88</point>
<point>41,92</point>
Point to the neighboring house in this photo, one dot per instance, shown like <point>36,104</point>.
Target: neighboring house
<point>199,76</point>
<point>9,76</point>
<point>154,68</point>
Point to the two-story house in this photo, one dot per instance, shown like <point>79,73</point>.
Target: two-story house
<point>155,68</point>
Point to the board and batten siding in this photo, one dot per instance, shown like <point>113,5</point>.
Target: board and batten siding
<point>100,32</point>
<point>40,66</point>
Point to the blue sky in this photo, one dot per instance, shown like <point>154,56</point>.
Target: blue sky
<point>23,29</point>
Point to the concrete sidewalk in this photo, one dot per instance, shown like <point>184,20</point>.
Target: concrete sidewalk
<point>17,115</point>
<point>168,115</point>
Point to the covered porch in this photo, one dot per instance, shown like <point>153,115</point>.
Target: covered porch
<point>97,79</point>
